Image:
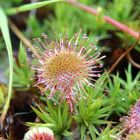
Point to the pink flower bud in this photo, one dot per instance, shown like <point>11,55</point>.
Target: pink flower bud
<point>39,133</point>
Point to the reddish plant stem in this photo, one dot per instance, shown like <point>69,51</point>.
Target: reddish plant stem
<point>115,23</point>
<point>124,54</point>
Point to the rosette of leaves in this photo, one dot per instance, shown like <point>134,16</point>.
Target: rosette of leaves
<point>54,117</point>
<point>123,93</point>
<point>90,116</point>
<point>110,133</point>
<point>131,86</point>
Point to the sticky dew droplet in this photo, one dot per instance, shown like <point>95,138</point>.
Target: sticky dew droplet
<point>67,97</point>
<point>38,39</point>
<point>44,35</point>
<point>33,55</point>
<point>101,65</point>
<point>84,36</point>
<point>29,50</point>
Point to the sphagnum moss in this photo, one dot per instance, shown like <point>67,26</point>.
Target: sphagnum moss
<point>65,64</point>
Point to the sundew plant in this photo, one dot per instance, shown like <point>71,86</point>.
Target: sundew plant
<point>66,66</point>
<point>69,70</point>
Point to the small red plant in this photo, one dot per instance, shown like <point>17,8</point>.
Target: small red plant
<point>132,122</point>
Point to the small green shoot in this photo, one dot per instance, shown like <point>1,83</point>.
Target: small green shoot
<point>57,118</point>
<point>22,70</point>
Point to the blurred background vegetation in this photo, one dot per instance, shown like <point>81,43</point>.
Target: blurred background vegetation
<point>122,83</point>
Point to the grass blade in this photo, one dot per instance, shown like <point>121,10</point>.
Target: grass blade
<point>6,36</point>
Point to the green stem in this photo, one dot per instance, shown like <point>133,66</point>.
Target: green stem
<point>30,6</point>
